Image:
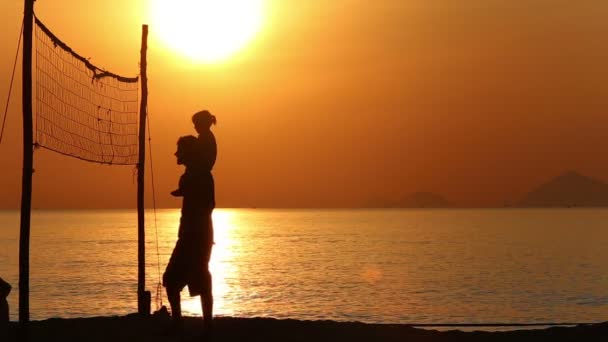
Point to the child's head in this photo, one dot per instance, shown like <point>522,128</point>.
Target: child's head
<point>203,120</point>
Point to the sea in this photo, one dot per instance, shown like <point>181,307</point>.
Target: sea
<point>410,266</point>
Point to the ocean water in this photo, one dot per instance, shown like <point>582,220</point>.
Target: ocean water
<point>377,266</point>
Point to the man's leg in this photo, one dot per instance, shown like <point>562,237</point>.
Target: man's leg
<point>207,300</point>
<point>176,304</point>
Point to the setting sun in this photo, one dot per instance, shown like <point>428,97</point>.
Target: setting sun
<point>207,30</point>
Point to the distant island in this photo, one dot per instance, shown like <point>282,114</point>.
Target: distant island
<point>570,189</point>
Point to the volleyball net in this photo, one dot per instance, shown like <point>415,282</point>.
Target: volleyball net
<point>82,110</point>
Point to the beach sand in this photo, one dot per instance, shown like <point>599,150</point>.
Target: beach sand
<point>135,328</point>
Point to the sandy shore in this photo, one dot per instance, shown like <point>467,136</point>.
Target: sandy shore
<point>134,328</point>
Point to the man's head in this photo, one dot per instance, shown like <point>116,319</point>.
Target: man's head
<point>187,150</point>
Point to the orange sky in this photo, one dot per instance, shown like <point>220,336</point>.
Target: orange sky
<point>345,102</point>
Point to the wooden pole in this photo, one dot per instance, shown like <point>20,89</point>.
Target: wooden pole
<point>143,298</point>
<point>26,179</point>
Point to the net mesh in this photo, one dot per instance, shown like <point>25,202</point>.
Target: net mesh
<point>81,110</point>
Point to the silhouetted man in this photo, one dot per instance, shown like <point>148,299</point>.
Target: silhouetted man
<point>189,262</point>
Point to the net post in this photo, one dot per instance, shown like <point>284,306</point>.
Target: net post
<point>26,179</point>
<point>143,300</point>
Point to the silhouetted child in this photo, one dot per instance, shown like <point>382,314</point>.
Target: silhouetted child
<point>5,289</point>
<point>208,152</point>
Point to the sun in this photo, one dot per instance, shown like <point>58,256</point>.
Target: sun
<point>208,31</point>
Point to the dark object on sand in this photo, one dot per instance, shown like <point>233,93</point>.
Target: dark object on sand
<point>5,289</point>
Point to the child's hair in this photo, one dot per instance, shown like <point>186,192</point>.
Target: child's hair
<point>204,118</point>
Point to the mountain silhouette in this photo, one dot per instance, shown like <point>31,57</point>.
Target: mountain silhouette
<point>570,189</point>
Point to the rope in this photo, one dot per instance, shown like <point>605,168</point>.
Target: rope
<point>159,297</point>
<point>10,88</point>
